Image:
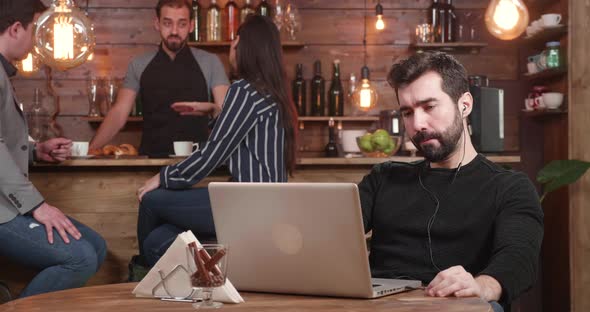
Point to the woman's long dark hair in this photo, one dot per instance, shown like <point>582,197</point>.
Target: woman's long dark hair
<point>259,58</point>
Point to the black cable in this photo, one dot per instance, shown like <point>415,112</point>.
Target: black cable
<point>436,200</point>
<point>365,35</point>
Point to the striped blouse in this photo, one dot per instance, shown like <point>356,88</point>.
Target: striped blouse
<point>247,135</point>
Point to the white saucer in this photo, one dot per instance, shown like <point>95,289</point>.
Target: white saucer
<point>178,156</point>
<point>553,26</point>
<point>81,157</point>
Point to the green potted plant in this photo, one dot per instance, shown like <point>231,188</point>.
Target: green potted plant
<point>559,173</point>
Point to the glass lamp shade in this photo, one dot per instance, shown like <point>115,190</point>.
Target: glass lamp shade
<point>64,37</point>
<point>29,66</point>
<point>365,97</point>
<point>506,19</point>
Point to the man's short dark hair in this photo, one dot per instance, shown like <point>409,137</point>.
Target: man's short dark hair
<point>175,4</point>
<point>23,11</point>
<point>454,75</point>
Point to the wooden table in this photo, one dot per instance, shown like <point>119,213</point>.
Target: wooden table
<point>118,297</point>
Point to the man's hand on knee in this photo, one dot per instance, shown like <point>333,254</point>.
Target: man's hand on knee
<point>52,218</point>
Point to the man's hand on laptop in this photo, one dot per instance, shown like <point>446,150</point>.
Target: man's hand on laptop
<point>458,282</point>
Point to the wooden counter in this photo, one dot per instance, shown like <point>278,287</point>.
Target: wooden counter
<point>101,193</point>
<point>157,162</point>
<point>119,298</point>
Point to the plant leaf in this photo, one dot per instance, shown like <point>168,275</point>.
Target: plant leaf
<point>561,172</point>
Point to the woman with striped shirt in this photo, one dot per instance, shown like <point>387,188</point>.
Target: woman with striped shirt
<point>254,135</point>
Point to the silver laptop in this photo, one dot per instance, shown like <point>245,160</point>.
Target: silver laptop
<point>297,238</point>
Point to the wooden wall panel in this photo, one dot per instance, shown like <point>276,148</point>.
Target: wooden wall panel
<point>579,119</point>
<point>331,30</point>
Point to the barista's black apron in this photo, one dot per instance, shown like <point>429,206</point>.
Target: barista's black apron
<point>164,82</point>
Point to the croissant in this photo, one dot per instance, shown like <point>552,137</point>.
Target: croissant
<point>126,149</point>
<point>95,152</point>
<point>110,150</point>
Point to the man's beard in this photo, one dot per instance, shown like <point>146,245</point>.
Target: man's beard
<point>448,141</point>
<point>174,46</point>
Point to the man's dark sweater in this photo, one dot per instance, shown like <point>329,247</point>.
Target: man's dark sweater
<point>489,221</point>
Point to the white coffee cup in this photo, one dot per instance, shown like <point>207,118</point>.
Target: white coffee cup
<point>185,148</point>
<point>532,67</point>
<point>551,19</point>
<point>79,149</point>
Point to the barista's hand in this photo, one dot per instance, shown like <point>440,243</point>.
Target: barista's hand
<point>149,185</point>
<point>53,218</point>
<point>53,150</point>
<point>195,108</point>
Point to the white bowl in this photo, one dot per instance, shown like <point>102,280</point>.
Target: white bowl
<point>349,140</point>
<point>552,100</point>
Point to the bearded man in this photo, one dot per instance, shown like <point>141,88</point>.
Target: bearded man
<point>461,224</point>
<point>167,81</point>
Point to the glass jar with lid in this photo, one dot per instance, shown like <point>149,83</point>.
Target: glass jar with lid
<point>553,54</point>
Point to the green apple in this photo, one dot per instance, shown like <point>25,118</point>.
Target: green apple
<point>380,139</point>
<point>365,143</point>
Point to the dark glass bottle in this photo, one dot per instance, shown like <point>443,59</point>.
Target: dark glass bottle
<point>231,15</point>
<point>318,86</point>
<point>336,93</point>
<point>331,147</point>
<point>195,34</point>
<point>263,9</point>
<point>299,91</point>
<point>451,22</point>
<point>434,19</point>
<point>246,10</point>
<point>442,18</point>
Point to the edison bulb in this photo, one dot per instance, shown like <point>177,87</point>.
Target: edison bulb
<point>28,66</point>
<point>379,25</point>
<point>64,37</point>
<point>366,96</point>
<point>506,19</point>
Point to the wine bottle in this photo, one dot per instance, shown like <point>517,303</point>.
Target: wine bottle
<point>263,9</point>
<point>450,32</point>
<point>214,22</point>
<point>317,91</point>
<point>442,18</point>
<point>433,19</point>
<point>299,91</point>
<point>195,34</point>
<point>336,93</point>
<point>331,148</point>
<point>246,10</point>
<point>231,20</point>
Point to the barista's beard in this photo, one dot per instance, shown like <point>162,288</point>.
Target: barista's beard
<point>174,46</point>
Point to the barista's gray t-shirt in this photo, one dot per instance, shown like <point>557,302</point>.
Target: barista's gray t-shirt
<point>210,64</point>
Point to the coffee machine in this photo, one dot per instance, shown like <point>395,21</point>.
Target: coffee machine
<point>486,121</point>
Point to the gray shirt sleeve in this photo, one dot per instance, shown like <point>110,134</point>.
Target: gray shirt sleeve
<point>135,69</point>
<point>212,69</point>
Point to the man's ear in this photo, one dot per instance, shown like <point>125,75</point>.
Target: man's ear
<point>157,24</point>
<point>14,29</point>
<point>465,104</point>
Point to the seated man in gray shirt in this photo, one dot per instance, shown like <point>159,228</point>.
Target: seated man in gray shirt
<point>165,80</point>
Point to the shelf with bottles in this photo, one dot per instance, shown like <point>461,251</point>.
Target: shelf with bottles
<point>472,46</point>
<point>546,74</point>
<point>546,34</point>
<point>226,44</point>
